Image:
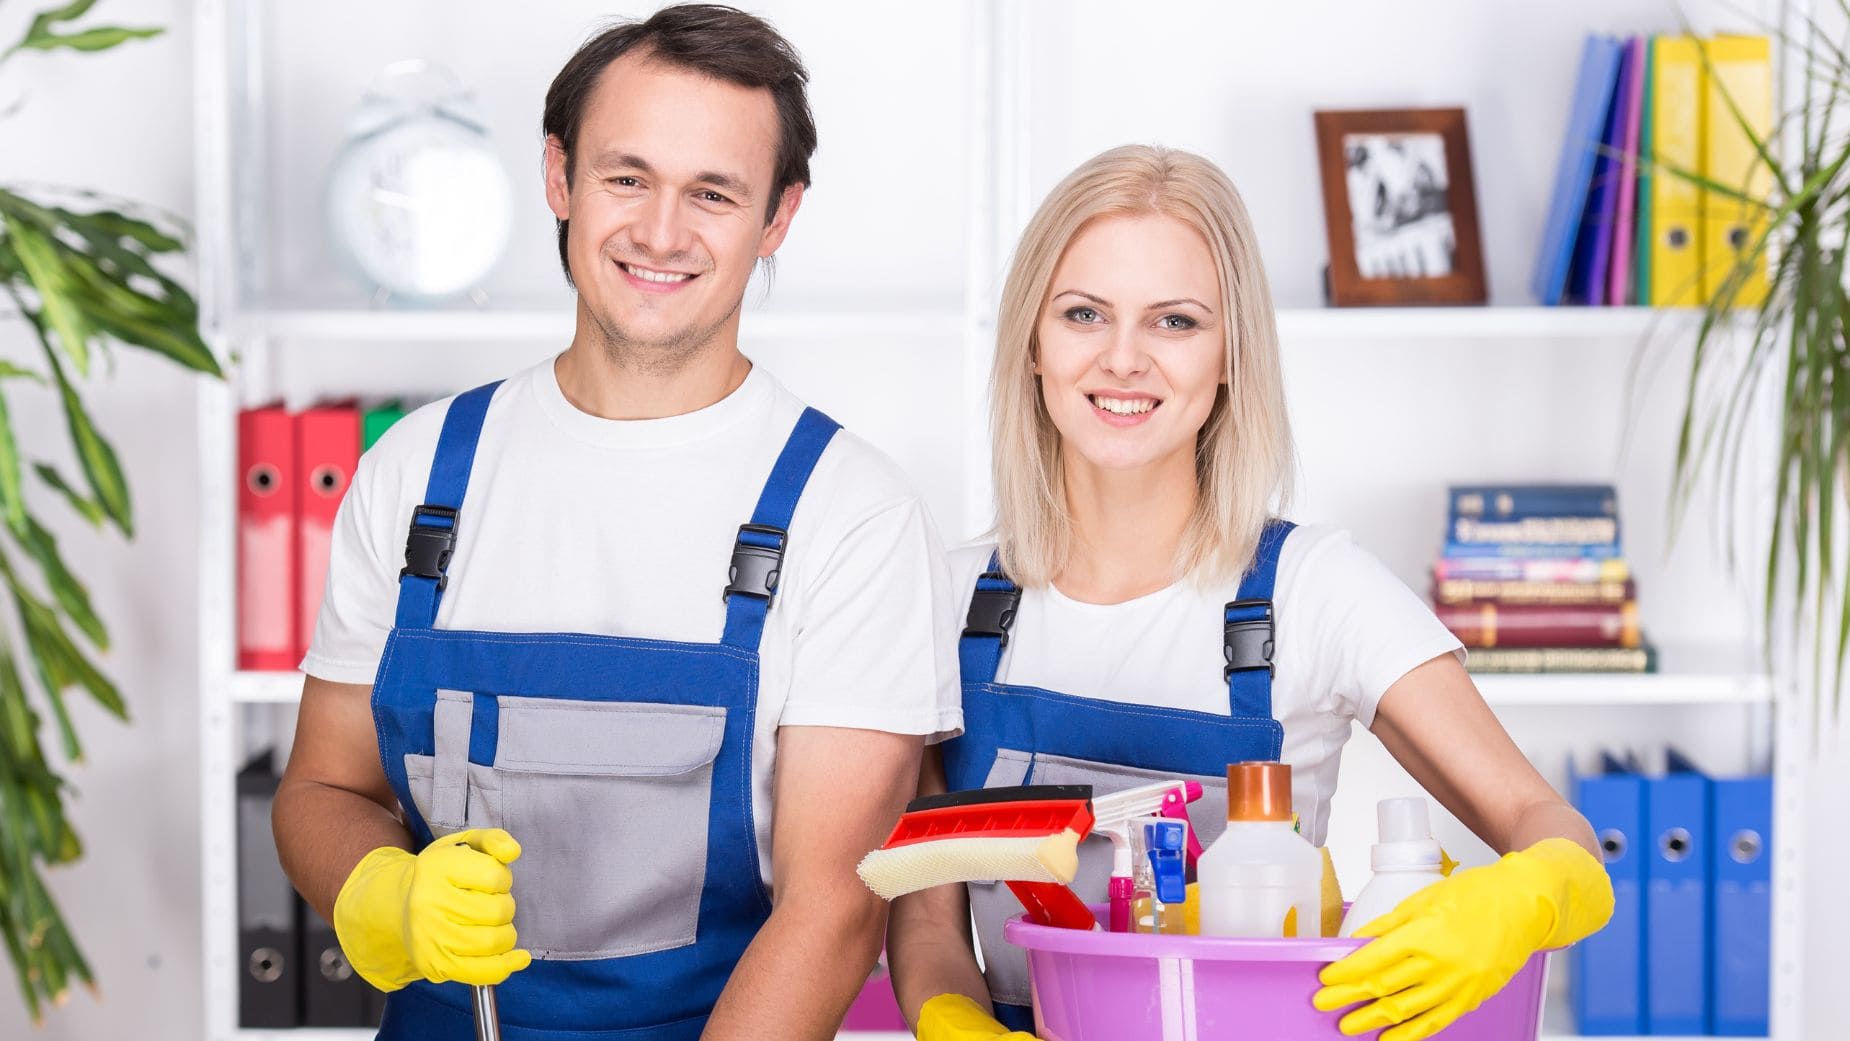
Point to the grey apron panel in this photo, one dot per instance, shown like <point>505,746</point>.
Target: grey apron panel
<point>449,788</point>
<point>609,802</point>
<point>1005,965</point>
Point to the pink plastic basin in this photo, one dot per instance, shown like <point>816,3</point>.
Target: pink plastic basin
<point>1101,986</point>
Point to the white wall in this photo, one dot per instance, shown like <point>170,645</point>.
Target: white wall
<point>122,122</point>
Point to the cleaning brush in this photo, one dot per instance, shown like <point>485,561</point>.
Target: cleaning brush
<point>1027,833</point>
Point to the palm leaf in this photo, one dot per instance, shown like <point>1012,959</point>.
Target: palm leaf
<point>12,495</point>
<point>85,276</point>
<point>39,258</point>
<point>86,507</point>
<point>66,589</point>
<point>99,39</point>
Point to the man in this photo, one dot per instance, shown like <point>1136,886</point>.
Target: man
<point>635,579</point>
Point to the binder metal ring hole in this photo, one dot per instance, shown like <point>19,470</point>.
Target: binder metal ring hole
<point>1745,846</point>
<point>334,966</point>
<point>266,965</point>
<point>326,479</point>
<point>263,479</point>
<point>1612,844</point>
<point>1675,844</point>
<point>1677,238</point>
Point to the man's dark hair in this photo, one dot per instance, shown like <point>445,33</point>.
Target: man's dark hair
<point>713,40</point>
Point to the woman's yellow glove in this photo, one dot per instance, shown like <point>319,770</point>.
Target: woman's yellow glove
<point>445,914</point>
<point>1455,943</point>
<point>954,1017</point>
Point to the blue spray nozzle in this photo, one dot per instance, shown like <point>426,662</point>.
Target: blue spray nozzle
<point>1166,840</point>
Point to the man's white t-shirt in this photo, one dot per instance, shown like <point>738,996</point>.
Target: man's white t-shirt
<point>1347,628</point>
<point>573,523</point>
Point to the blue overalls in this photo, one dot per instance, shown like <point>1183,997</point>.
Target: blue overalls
<point>623,766</point>
<point>1026,735</point>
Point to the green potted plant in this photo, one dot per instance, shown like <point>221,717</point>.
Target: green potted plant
<point>1797,335</point>
<point>83,274</point>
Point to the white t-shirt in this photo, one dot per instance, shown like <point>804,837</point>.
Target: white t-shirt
<point>1347,628</point>
<point>574,523</point>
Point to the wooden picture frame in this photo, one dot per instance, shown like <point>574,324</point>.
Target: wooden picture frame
<point>1387,163</point>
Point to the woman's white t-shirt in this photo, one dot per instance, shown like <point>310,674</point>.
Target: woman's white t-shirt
<point>1347,629</point>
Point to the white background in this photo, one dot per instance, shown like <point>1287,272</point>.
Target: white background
<point>1383,422</point>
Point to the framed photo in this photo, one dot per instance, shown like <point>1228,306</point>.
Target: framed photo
<point>1399,207</point>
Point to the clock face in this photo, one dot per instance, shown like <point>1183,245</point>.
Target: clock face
<point>421,208</point>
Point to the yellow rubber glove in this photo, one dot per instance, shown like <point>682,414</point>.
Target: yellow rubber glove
<point>444,914</point>
<point>954,1017</point>
<point>1455,943</point>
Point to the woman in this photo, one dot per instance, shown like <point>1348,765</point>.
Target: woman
<point>1142,614</point>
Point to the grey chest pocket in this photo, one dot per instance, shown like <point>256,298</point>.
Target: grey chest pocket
<point>609,801</point>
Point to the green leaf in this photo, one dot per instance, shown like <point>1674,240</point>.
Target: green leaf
<point>60,666</point>
<point>117,225</point>
<point>52,682</point>
<point>176,338</point>
<point>98,39</point>
<point>51,16</point>
<point>94,452</point>
<point>66,589</point>
<point>39,257</point>
<point>12,493</point>
<point>88,508</point>
<point>98,284</point>
<point>8,371</point>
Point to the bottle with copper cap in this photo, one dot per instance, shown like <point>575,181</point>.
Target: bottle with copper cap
<point>1260,878</point>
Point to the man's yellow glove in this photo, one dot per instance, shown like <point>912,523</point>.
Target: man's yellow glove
<point>954,1017</point>
<point>445,914</point>
<point>1455,943</point>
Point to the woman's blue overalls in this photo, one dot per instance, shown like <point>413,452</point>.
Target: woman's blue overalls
<point>623,767</point>
<point>1026,735</point>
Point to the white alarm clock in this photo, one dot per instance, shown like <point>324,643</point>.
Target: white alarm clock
<point>418,205</point>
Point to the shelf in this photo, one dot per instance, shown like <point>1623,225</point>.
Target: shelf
<point>1688,675</point>
<point>458,325</point>
<point>266,688</point>
<point>1592,689</point>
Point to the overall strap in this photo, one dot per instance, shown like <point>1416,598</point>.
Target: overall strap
<point>1249,631</point>
<point>433,524</point>
<point>758,553</point>
<point>986,628</point>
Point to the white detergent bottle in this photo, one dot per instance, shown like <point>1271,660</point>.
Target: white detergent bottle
<point>1260,878</point>
<point>1406,860</point>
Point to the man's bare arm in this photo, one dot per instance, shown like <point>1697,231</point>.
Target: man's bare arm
<point>838,792</point>
<point>334,805</point>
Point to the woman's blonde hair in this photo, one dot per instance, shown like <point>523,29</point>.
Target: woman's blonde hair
<point>1243,454</point>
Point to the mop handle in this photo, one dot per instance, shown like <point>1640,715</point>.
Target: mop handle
<point>487,1020</point>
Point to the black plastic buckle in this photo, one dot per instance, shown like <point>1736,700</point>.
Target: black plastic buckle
<point>992,611</point>
<point>755,569</point>
<point>1248,641</point>
<point>428,546</point>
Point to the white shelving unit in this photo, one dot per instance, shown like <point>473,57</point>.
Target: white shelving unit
<point>1013,106</point>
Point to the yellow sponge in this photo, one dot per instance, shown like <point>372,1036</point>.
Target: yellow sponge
<point>892,873</point>
<point>1332,895</point>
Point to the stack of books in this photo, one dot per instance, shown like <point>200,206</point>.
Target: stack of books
<point>1532,580</point>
